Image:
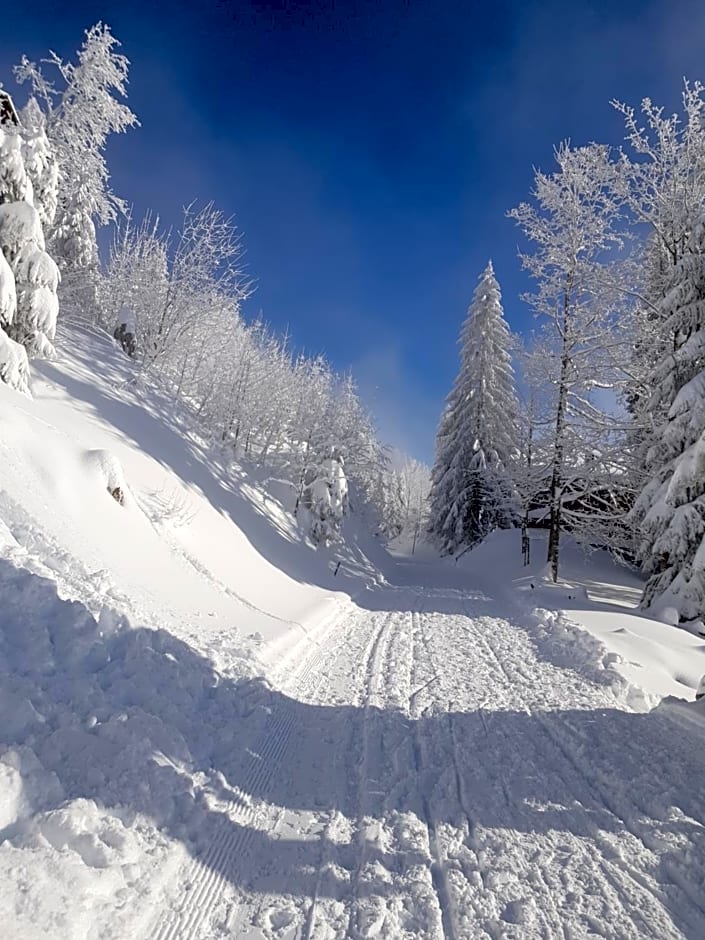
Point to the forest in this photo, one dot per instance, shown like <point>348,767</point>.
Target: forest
<point>591,422</point>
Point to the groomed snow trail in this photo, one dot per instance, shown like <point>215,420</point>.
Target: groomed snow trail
<point>433,770</point>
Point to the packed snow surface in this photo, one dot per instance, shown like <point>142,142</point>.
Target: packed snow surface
<point>207,734</point>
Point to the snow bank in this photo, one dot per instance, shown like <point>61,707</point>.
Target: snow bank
<point>596,596</point>
<point>199,547</point>
<point>112,740</point>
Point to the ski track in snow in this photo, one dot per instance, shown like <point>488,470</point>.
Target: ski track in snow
<point>440,777</point>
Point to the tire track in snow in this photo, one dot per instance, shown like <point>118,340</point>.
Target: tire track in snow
<point>613,887</point>
<point>407,898</point>
<point>332,663</point>
<point>526,865</point>
<point>374,668</point>
<point>546,920</point>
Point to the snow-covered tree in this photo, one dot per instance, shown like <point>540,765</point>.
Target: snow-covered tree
<point>36,278</point>
<point>574,228</point>
<point>660,181</point>
<point>15,185</point>
<point>79,117</point>
<point>325,497</point>
<point>14,366</point>
<point>164,285</point>
<point>471,492</point>
<point>671,510</point>
<point>28,276</point>
<point>40,163</point>
<point>530,471</point>
<point>401,495</point>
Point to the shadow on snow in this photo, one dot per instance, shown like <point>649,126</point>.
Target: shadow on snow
<point>126,716</point>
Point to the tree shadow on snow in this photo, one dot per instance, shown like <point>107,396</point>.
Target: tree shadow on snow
<point>127,717</point>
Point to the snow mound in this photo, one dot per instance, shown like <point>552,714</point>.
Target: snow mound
<point>105,469</point>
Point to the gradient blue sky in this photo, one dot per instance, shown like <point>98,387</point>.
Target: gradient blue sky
<point>369,150</point>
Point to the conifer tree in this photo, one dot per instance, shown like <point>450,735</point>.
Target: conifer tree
<point>471,493</point>
<point>671,509</point>
<point>28,276</point>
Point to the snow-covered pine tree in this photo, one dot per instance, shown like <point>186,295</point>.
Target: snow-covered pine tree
<point>28,276</point>
<point>14,367</point>
<point>79,118</point>
<point>40,163</point>
<point>471,493</point>
<point>36,278</point>
<point>661,184</point>
<point>325,497</point>
<point>671,509</point>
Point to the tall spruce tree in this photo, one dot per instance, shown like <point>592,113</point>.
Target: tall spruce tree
<point>471,492</point>
<point>671,509</point>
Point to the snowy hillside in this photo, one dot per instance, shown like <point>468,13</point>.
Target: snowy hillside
<point>196,550</point>
<point>207,733</point>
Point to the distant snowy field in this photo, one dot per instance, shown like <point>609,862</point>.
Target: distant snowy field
<point>134,635</point>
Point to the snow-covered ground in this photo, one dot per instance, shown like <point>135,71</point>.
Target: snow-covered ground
<point>206,733</point>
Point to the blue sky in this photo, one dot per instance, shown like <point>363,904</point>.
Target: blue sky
<point>369,150</point>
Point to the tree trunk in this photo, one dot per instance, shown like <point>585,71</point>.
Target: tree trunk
<point>556,488</point>
<point>302,477</point>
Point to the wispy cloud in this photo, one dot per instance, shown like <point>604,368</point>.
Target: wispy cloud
<point>406,414</point>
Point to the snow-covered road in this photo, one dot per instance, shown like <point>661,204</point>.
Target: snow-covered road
<point>431,769</point>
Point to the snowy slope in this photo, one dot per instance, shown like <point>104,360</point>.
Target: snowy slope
<point>197,552</point>
<point>196,544</point>
<point>207,734</point>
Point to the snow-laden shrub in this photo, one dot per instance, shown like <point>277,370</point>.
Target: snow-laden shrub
<point>8,293</point>
<point>325,497</point>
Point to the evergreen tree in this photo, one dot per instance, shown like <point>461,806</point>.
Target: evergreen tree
<point>28,276</point>
<point>325,497</point>
<point>470,492</point>
<point>40,163</point>
<point>78,119</point>
<point>671,510</point>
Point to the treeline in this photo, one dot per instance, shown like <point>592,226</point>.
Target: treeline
<point>173,301</point>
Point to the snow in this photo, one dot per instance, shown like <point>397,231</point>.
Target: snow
<point>602,598</point>
<point>207,733</point>
<point>8,295</point>
<point>14,365</point>
<point>19,225</point>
